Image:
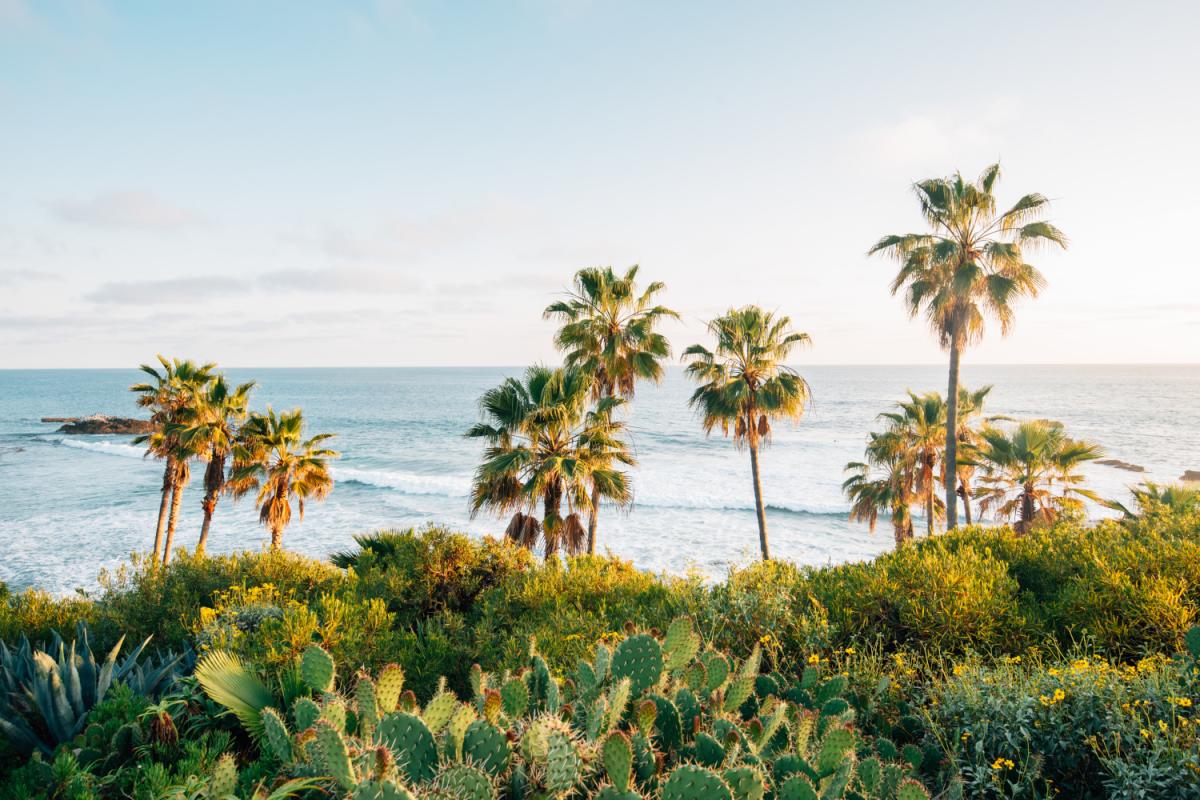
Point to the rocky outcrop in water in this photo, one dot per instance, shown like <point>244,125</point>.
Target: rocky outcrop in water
<point>1119,464</point>
<point>1190,476</point>
<point>102,424</point>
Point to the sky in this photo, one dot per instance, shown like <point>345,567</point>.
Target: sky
<point>394,182</point>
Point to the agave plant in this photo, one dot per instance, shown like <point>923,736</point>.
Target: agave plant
<point>47,693</point>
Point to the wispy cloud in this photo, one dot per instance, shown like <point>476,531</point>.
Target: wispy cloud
<point>339,279</point>
<point>15,277</point>
<point>127,209</point>
<point>169,290</point>
<point>919,138</point>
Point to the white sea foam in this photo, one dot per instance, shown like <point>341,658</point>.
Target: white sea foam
<point>121,449</point>
<point>407,482</point>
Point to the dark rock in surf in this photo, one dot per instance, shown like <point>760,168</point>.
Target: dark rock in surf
<point>1119,464</point>
<point>102,424</point>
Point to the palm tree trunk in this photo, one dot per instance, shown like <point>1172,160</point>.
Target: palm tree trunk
<point>550,523</point>
<point>758,502</point>
<point>176,500</point>
<point>1027,511</point>
<point>929,507</point>
<point>276,538</point>
<point>168,489</point>
<point>209,505</point>
<point>965,489</point>
<point>951,465</point>
<point>591,544</point>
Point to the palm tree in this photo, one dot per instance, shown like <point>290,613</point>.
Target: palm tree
<point>542,448</point>
<point>970,263</point>
<point>271,456</point>
<point>913,441</point>
<point>744,384</point>
<point>1152,498</point>
<point>1031,472</point>
<point>209,428</point>
<point>891,492</point>
<point>170,392</point>
<point>970,412</point>
<point>609,330</point>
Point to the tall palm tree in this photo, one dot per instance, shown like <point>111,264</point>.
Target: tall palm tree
<point>916,431</point>
<point>272,457</point>
<point>744,384</point>
<point>208,427</point>
<point>970,263</point>
<point>170,391</point>
<point>1031,472</point>
<point>890,492</point>
<point>610,330</point>
<point>543,448</point>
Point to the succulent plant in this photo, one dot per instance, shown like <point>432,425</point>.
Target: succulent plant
<point>646,720</point>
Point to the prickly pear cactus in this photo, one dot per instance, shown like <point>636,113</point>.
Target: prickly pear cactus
<point>463,782</point>
<point>410,739</point>
<point>388,687</point>
<point>317,668</point>
<point>514,697</point>
<point>562,764</point>
<point>223,781</point>
<point>640,659</point>
<point>335,756</point>
<point>275,731</point>
<point>305,713</point>
<point>796,787</point>
<point>836,745</point>
<point>617,754</point>
<point>366,706</point>
<point>680,645</point>
<point>746,783</point>
<point>911,790</point>
<point>380,790</point>
<point>742,686</point>
<point>691,782</point>
<point>486,746</point>
<point>440,709</point>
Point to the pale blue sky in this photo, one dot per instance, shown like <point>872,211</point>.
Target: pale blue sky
<point>408,183</point>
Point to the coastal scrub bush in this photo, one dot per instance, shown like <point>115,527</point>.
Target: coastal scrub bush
<point>565,608</point>
<point>1079,727</point>
<point>34,613</point>
<point>952,600</point>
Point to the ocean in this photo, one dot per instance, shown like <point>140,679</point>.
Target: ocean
<point>72,505</point>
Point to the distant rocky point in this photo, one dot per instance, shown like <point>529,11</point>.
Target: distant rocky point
<point>1190,476</point>
<point>101,424</point>
<point>1119,464</point>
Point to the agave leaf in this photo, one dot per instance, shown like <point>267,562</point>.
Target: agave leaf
<point>73,685</point>
<point>106,671</point>
<point>21,736</point>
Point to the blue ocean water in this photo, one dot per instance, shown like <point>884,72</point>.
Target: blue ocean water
<point>70,506</point>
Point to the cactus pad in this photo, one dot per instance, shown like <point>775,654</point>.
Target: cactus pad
<point>388,687</point>
<point>305,713</point>
<point>464,782</point>
<point>617,754</point>
<point>690,782</point>
<point>746,783</point>
<point>335,756</point>
<point>440,709</point>
<point>409,738</point>
<point>562,763</point>
<point>680,645</point>
<point>317,669</point>
<point>224,777</point>
<point>276,733</point>
<point>797,787</point>
<point>514,695</point>
<point>838,742</point>
<point>380,790</point>
<point>911,790</point>
<point>640,659</point>
<point>486,746</point>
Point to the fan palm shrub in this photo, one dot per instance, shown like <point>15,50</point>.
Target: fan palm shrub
<point>543,448</point>
<point>1031,472</point>
<point>609,328</point>
<point>168,394</point>
<point>272,458</point>
<point>744,384</point>
<point>968,265</point>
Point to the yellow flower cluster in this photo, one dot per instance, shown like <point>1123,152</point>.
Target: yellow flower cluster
<point>1049,700</point>
<point>1003,763</point>
<point>1182,702</point>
